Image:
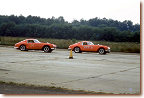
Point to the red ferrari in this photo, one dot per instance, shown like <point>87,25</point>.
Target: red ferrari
<point>34,44</point>
<point>87,46</point>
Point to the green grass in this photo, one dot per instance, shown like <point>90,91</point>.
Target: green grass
<point>131,47</point>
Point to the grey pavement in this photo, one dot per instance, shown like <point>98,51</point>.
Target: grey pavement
<point>117,73</point>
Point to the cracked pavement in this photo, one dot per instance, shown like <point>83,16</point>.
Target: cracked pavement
<point>112,73</point>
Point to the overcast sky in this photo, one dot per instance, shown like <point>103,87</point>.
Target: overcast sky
<point>74,9</point>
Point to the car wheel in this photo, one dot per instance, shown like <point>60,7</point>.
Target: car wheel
<point>77,50</point>
<point>102,51</point>
<point>46,49</point>
<point>23,48</point>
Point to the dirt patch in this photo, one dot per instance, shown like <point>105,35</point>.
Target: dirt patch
<point>14,88</point>
<point>4,70</point>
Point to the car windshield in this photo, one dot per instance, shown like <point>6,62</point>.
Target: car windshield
<point>90,43</point>
<point>36,41</point>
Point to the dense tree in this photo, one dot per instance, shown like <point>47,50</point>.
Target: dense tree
<point>92,29</point>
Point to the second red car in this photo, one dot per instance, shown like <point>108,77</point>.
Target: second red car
<point>87,46</point>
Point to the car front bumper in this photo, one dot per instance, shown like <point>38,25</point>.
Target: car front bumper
<point>108,51</point>
<point>16,47</point>
<point>69,48</point>
<point>53,48</point>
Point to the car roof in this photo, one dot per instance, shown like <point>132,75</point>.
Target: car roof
<point>85,41</point>
<point>30,39</point>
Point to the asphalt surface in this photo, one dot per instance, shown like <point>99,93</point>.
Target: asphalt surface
<point>117,73</point>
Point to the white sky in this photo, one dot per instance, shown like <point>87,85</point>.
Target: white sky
<point>74,9</point>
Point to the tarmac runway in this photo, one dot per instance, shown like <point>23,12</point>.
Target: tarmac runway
<point>116,72</point>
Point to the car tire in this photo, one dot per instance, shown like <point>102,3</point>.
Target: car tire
<point>77,50</point>
<point>102,51</point>
<point>23,48</point>
<point>46,49</point>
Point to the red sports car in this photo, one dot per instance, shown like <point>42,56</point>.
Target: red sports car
<point>87,46</point>
<point>34,44</point>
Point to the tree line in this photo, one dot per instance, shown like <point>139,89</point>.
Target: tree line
<point>93,29</point>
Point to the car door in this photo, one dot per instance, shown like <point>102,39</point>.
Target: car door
<point>91,47</point>
<point>30,44</point>
<point>38,46</point>
<point>85,46</point>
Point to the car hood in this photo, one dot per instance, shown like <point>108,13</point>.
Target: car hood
<point>51,44</point>
<point>103,45</point>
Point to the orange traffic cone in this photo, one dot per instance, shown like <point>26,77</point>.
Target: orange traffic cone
<point>70,56</point>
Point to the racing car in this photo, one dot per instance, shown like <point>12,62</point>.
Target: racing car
<point>34,44</point>
<point>88,46</point>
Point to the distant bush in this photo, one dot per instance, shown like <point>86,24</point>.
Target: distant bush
<point>57,28</point>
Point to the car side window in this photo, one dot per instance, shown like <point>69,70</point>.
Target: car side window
<point>85,43</point>
<point>88,43</point>
<point>30,41</point>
